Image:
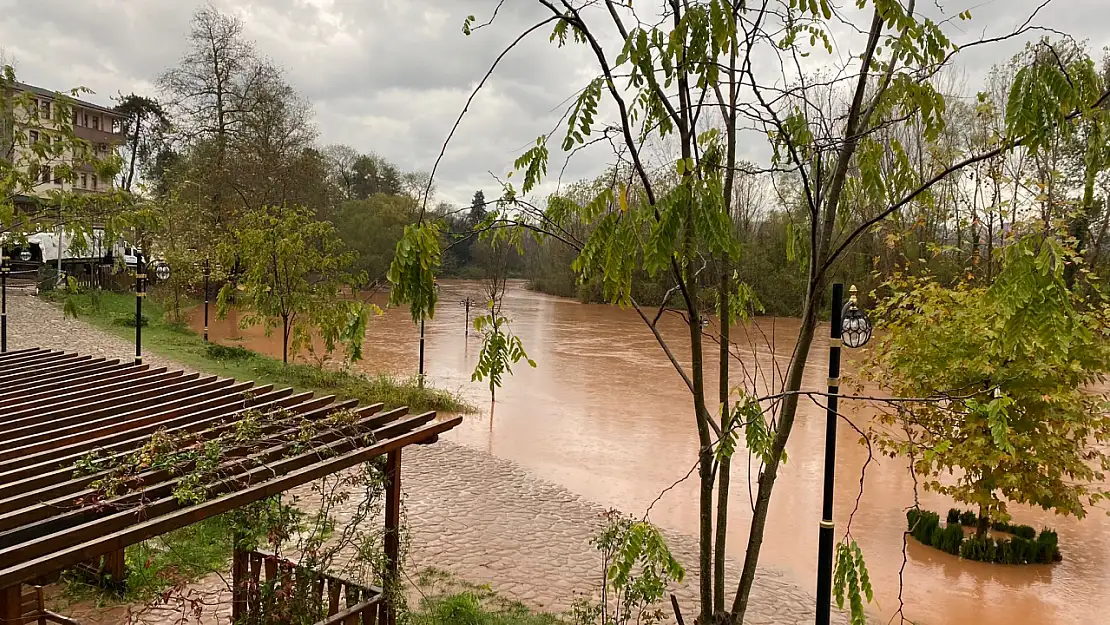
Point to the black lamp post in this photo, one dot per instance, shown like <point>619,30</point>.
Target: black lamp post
<point>140,293</point>
<point>467,303</point>
<point>4,269</point>
<point>851,328</point>
<point>420,376</point>
<point>207,273</point>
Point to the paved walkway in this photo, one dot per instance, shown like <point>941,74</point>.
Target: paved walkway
<point>482,518</point>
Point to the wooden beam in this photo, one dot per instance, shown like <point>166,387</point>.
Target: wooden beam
<point>66,556</point>
<point>392,533</point>
<point>11,605</point>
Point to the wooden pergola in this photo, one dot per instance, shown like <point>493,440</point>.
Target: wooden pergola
<point>56,408</point>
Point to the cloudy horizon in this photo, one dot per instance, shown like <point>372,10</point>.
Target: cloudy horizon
<point>391,76</point>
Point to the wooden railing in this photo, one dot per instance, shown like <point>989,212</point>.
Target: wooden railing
<point>35,612</point>
<point>254,595</point>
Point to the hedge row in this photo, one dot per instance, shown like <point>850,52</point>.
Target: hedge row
<point>970,519</point>
<point>1021,549</point>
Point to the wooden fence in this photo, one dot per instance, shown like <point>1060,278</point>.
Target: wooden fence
<point>258,600</point>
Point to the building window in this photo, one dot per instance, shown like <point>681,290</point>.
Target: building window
<point>94,182</point>
<point>34,136</point>
<point>85,119</point>
<point>84,181</point>
<point>96,122</point>
<point>45,174</point>
<point>44,106</point>
<point>58,175</point>
<point>75,117</point>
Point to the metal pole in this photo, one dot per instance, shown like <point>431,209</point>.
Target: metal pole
<point>420,380</point>
<point>140,292</point>
<point>466,329</point>
<point>207,272</point>
<point>825,544</point>
<point>4,269</point>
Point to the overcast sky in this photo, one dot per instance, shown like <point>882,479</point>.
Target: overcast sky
<point>390,76</point>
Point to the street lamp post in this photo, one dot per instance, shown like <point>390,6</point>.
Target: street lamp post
<point>4,269</point>
<point>466,304</point>
<point>420,373</point>
<point>140,293</point>
<point>207,273</point>
<point>850,328</point>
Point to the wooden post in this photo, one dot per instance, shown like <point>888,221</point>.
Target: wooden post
<point>115,565</point>
<point>392,535</point>
<point>240,564</point>
<point>11,605</point>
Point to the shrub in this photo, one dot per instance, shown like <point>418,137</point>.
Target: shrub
<point>1024,549</point>
<point>953,517</point>
<point>215,351</point>
<point>1047,547</point>
<point>128,321</point>
<point>921,524</point>
<point>950,539</point>
<point>1024,531</point>
<point>936,539</point>
<point>968,517</point>
<point>980,549</point>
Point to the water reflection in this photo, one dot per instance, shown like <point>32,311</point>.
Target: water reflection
<point>605,415</point>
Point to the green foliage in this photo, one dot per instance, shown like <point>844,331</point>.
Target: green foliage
<point>501,349</point>
<point>639,568</point>
<point>412,272</point>
<point>922,524</point>
<point>1015,359</point>
<point>189,349</point>
<point>446,600</point>
<point>850,578</point>
<point>1024,547</point>
<point>372,227</point>
<point>294,275</point>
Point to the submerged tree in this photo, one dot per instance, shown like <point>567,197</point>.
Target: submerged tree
<point>1016,359</point>
<point>295,276</point>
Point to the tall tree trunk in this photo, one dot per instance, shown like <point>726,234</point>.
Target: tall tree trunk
<point>134,151</point>
<point>285,339</point>
<point>725,465</point>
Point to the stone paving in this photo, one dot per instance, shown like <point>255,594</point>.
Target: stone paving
<point>482,518</point>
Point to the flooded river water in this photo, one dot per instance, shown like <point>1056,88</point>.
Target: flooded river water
<point>605,415</point>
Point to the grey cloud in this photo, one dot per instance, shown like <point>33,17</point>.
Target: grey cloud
<point>390,76</point>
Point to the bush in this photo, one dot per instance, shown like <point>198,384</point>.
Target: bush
<point>1024,531</point>
<point>128,321</point>
<point>1047,547</point>
<point>969,518</point>
<point>950,539</point>
<point>922,524</point>
<point>981,549</point>
<point>953,517</point>
<point>215,351</point>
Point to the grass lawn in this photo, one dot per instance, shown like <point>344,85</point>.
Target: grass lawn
<point>447,600</point>
<point>115,313</point>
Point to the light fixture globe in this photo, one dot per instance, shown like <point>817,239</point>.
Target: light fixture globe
<point>855,328</point>
<point>162,271</point>
<point>25,255</point>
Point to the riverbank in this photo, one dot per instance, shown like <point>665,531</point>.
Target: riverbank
<point>484,519</point>
<point>115,313</point>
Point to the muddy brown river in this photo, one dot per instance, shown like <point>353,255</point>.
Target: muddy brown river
<point>605,415</point>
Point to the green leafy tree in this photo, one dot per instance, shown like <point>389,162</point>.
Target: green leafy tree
<point>372,228</point>
<point>144,121</point>
<point>1014,361</point>
<point>294,277</point>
